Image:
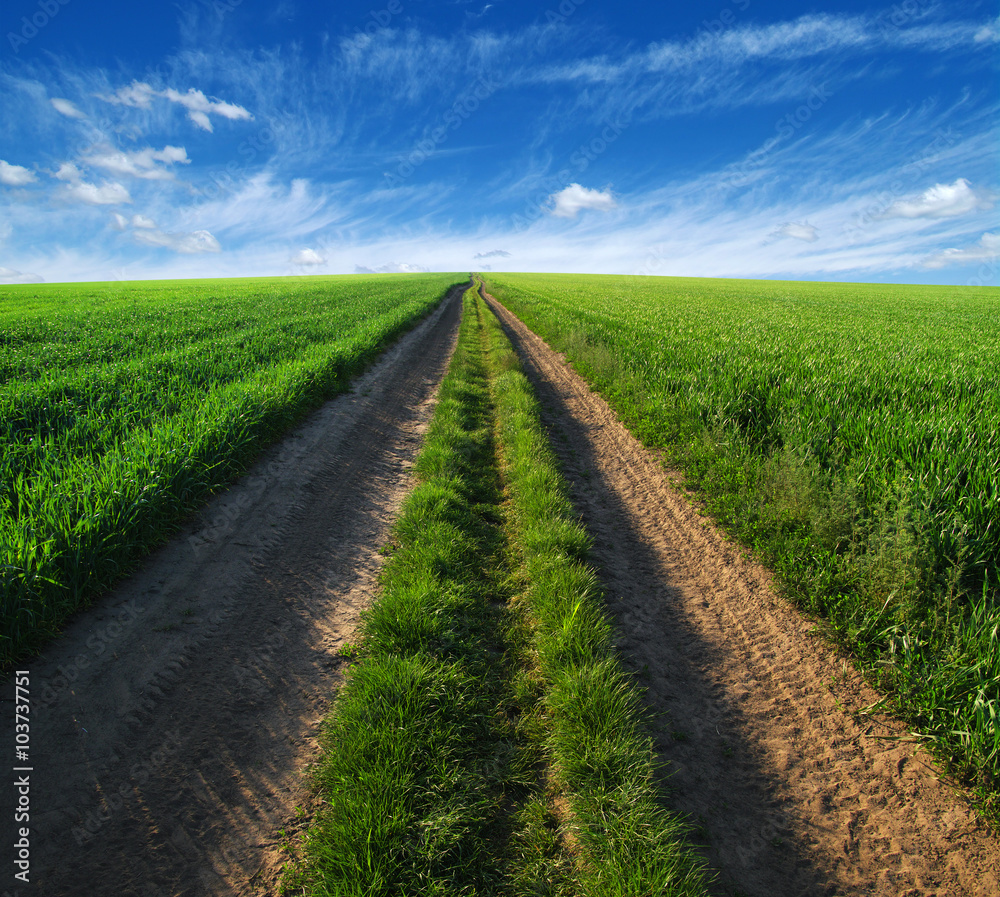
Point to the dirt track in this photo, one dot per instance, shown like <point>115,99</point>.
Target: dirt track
<point>172,722</point>
<point>171,760</point>
<point>794,792</point>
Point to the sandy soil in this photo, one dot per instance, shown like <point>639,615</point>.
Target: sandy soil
<point>173,721</point>
<point>793,789</point>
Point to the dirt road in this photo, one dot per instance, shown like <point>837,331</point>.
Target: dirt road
<point>793,791</point>
<point>172,722</point>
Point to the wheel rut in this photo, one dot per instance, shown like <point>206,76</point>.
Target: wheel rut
<point>793,790</point>
<point>173,721</point>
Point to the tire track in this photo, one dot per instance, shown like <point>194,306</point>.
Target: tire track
<point>792,789</point>
<point>176,717</point>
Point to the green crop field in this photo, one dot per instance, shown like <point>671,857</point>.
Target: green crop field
<point>122,406</point>
<point>849,433</point>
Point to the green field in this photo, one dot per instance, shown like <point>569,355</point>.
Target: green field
<point>849,433</point>
<point>124,405</point>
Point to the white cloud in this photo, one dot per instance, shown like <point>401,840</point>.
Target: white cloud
<point>118,222</point>
<point>68,172</point>
<point>141,163</point>
<point>747,65</point>
<point>493,253</point>
<point>65,107</point>
<point>804,231</point>
<point>142,222</point>
<point>805,36</point>
<point>808,36</point>
<point>15,175</point>
<point>199,107</point>
<point>109,193</point>
<point>941,201</point>
<point>140,95</point>
<point>186,243</point>
<point>308,257</point>
<point>989,34</point>
<point>574,198</point>
<point>986,250</point>
<point>261,208</point>
<point>391,268</point>
<point>9,275</point>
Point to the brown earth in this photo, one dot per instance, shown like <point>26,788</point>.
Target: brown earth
<point>793,788</point>
<point>173,721</point>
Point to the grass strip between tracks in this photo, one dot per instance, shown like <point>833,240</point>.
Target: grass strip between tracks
<point>485,740</point>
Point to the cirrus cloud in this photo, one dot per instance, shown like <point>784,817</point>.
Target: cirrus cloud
<point>185,243</point>
<point>65,107</point>
<point>392,268</point>
<point>805,232</point>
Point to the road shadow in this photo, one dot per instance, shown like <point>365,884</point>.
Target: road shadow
<point>713,775</point>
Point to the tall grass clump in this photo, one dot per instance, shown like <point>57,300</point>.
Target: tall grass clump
<point>848,433</point>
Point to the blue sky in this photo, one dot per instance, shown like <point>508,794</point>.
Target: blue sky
<point>748,138</point>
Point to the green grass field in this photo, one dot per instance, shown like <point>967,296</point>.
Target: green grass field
<point>123,406</point>
<point>848,433</point>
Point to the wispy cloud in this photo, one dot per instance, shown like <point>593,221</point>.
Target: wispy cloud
<point>986,250</point>
<point>748,65</point>
<point>989,34</point>
<point>140,95</point>
<point>186,243</point>
<point>809,36</point>
<point>65,107</point>
<point>262,207</point>
<point>805,232</point>
<point>391,268</point>
<point>493,254</point>
<point>138,163</point>
<point>9,275</point>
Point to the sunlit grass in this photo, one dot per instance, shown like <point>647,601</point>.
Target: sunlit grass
<point>850,434</point>
<point>122,406</point>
